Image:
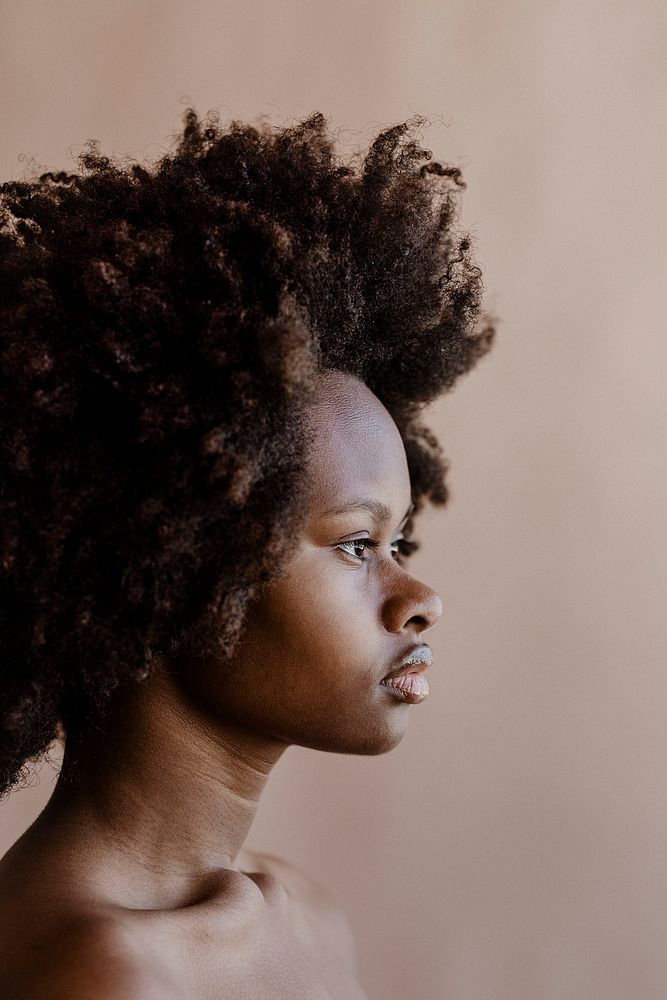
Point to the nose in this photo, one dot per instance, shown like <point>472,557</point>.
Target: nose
<point>415,608</point>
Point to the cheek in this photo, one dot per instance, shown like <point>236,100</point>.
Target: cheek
<point>319,632</point>
<point>328,614</point>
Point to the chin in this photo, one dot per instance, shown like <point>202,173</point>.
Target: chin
<point>366,744</point>
<point>390,741</point>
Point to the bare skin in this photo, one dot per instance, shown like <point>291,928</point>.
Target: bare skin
<point>133,883</point>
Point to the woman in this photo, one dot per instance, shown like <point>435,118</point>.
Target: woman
<point>212,377</point>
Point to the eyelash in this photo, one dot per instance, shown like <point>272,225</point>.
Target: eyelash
<point>372,543</point>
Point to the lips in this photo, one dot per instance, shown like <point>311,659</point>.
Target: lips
<point>406,681</point>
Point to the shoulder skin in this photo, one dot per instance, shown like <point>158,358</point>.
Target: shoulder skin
<point>90,961</point>
<point>320,904</point>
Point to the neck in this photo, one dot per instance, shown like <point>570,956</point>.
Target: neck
<point>159,798</point>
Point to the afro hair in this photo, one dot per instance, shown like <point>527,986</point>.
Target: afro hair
<point>162,327</point>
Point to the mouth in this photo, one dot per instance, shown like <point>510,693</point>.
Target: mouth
<point>406,681</point>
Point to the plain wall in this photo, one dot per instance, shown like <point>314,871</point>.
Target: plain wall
<point>514,846</point>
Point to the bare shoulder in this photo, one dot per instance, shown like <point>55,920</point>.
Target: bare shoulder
<point>317,902</point>
<point>87,959</point>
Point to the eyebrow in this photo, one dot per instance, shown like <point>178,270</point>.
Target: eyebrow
<point>379,510</point>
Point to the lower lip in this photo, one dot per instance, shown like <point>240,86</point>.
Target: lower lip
<point>412,688</point>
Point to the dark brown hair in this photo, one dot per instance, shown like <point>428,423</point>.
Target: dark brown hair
<point>161,328</point>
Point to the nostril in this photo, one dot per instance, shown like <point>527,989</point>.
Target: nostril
<point>425,621</point>
<point>417,606</point>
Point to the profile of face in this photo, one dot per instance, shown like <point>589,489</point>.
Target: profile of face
<point>319,640</point>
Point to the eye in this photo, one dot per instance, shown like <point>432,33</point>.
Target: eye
<point>369,543</point>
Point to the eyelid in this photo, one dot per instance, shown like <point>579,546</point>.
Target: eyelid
<point>371,543</point>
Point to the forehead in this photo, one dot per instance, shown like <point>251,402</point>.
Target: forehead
<point>357,448</point>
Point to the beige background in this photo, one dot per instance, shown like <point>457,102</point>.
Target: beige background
<point>514,847</point>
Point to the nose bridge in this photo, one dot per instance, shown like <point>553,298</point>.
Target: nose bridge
<point>411,603</point>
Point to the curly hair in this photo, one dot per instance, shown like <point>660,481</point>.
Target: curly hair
<point>162,328</point>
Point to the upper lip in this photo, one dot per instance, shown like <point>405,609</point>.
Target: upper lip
<point>413,662</point>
